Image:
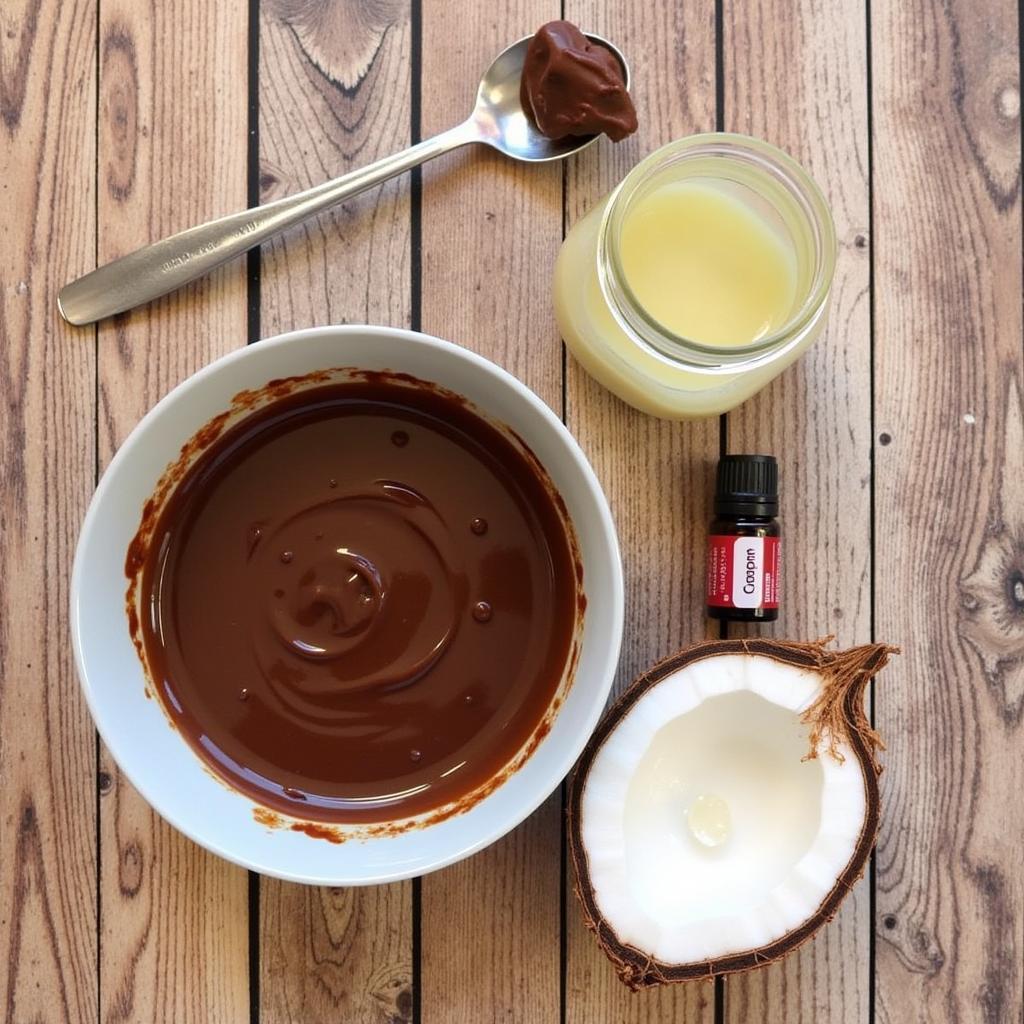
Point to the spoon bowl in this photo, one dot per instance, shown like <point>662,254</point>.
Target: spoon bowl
<point>502,123</point>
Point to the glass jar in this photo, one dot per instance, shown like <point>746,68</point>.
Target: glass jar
<point>631,353</point>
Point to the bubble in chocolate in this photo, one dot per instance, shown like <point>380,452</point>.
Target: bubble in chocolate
<point>287,556</point>
<point>482,611</point>
<point>279,593</point>
<point>399,438</point>
<point>253,535</point>
<point>243,694</point>
<point>332,482</point>
<point>468,699</point>
<point>479,526</point>
<point>415,755</point>
<point>295,794</point>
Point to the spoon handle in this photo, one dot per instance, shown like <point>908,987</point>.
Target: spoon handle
<point>157,269</point>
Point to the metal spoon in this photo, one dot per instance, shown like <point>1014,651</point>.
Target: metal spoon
<point>498,120</point>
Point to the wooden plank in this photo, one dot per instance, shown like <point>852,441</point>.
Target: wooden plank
<point>172,131</point>
<point>47,464</point>
<point>335,954</point>
<point>490,233</point>
<point>657,474</point>
<point>796,75</point>
<point>950,508</point>
<point>334,94</point>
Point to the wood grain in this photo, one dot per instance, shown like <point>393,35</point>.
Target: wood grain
<point>657,474</point>
<point>949,528</point>
<point>490,233</point>
<point>47,405</point>
<point>785,65</point>
<point>334,94</point>
<point>335,954</point>
<point>172,130</point>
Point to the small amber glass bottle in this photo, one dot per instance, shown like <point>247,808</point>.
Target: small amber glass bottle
<point>744,541</point>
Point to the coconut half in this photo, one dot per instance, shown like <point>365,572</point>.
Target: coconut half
<point>725,806</point>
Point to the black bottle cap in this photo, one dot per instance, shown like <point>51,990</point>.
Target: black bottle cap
<point>747,485</point>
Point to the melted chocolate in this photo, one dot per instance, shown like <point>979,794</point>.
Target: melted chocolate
<point>361,600</point>
<point>571,86</point>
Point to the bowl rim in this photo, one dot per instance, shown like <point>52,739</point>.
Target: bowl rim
<point>564,758</point>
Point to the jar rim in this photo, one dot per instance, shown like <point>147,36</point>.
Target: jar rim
<point>647,332</point>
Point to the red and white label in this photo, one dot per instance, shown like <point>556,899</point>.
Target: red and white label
<point>743,572</point>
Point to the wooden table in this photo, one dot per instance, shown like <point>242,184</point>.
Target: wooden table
<point>900,437</point>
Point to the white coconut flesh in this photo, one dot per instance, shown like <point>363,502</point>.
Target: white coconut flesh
<point>707,830</point>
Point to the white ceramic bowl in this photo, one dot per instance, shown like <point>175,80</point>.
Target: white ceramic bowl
<point>157,759</point>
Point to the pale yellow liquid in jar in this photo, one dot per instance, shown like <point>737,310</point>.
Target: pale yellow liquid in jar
<point>706,266</point>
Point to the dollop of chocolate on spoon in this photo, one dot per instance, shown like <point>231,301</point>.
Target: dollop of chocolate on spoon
<point>571,86</point>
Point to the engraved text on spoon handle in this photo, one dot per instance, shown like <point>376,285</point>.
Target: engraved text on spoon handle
<point>157,269</point>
